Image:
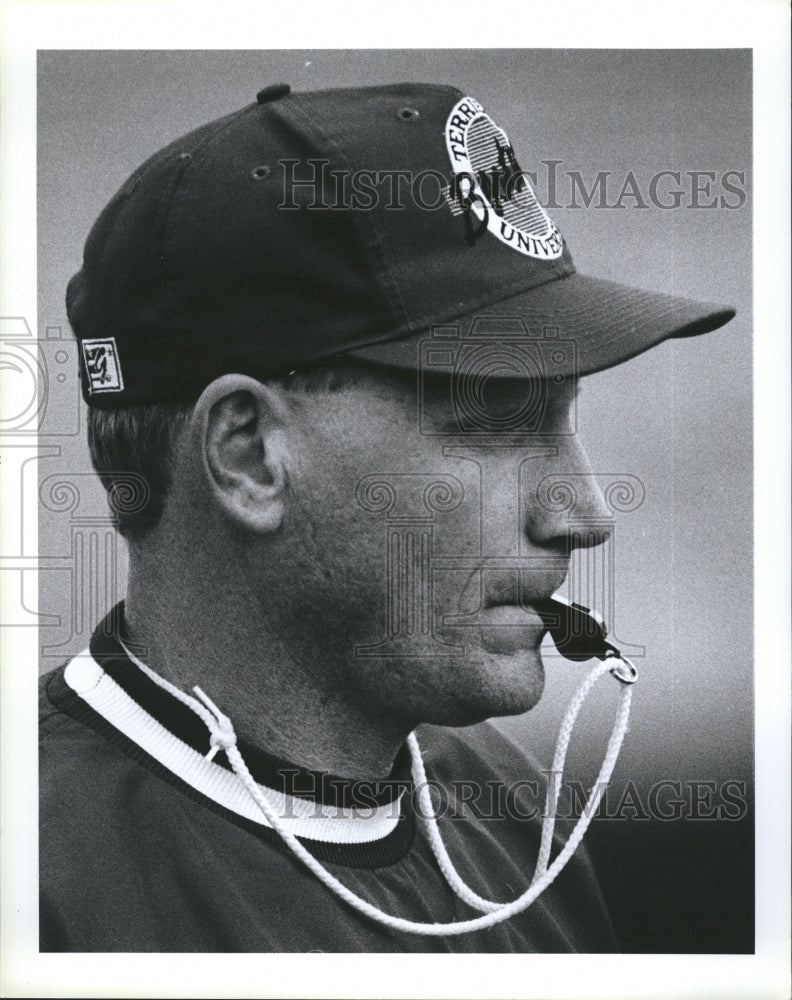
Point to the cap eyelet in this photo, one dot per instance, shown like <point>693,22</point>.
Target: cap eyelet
<point>408,114</point>
<point>260,173</point>
<point>273,93</point>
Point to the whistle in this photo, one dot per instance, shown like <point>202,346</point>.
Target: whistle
<point>580,634</point>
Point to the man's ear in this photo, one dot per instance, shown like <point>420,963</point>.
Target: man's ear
<point>237,428</point>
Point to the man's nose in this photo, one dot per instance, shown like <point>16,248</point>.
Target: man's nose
<point>565,507</point>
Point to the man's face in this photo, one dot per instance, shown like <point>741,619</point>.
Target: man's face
<point>413,544</point>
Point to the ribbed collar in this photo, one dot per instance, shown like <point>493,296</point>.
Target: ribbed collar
<point>107,647</point>
<point>353,823</point>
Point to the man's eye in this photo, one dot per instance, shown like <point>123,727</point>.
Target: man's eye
<point>540,409</point>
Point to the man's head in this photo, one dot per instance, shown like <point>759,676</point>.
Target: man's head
<point>347,398</point>
<point>344,512</point>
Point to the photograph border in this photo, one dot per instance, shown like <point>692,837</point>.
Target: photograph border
<point>28,27</point>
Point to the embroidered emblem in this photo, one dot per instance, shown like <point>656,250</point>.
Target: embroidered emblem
<point>101,365</point>
<point>491,190</point>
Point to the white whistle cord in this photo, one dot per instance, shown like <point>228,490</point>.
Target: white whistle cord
<point>222,735</point>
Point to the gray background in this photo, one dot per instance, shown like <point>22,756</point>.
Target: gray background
<point>679,418</point>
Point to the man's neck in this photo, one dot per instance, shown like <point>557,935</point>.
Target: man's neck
<point>214,638</point>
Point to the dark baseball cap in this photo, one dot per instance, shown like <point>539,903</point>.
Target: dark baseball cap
<point>342,223</point>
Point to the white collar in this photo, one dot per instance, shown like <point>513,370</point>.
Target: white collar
<point>302,817</point>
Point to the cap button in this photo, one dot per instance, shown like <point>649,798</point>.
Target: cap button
<point>273,93</point>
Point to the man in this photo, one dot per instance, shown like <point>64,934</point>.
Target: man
<point>333,344</point>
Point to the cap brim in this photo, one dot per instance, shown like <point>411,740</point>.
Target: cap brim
<point>609,323</point>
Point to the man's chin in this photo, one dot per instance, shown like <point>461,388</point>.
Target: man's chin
<point>494,684</point>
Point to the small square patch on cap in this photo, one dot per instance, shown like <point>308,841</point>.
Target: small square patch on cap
<point>101,365</point>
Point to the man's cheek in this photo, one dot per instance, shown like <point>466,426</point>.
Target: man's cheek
<point>355,575</point>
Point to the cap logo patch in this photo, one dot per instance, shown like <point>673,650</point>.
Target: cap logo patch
<point>101,365</point>
<point>490,186</point>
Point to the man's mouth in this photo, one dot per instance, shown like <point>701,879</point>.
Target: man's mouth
<point>510,628</point>
<point>507,603</point>
<point>518,589</point>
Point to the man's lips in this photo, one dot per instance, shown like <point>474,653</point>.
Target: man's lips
<point>518,589</point>
<point>504,603</point>
<point>521,601</point>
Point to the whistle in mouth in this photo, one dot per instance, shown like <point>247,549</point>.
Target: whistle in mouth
<point>580,634</point>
